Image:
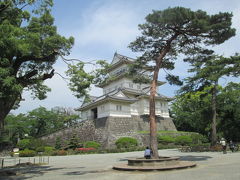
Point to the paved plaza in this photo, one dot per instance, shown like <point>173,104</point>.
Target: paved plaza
<point>210,165</point>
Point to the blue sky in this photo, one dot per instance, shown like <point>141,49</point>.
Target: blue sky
<point>102,27</point>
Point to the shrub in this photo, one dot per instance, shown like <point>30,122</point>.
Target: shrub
<point>58,143</point>
<point>166,139</point>
<point>183,140</point>
<point>27,153</point>
<point>73,143</point>
<point>167,146</point>
<point>85,150</point>
<point>30,143</point>
<point>92,144</point>
<point>36,143</point>
<point>200,147</point>
<point>217,148</point>
<point>198,138</point>
<point>61,153</point>
<point>40,149</point>
<point>24,144</point>
<point>48,150</point>
<point>126,142</point>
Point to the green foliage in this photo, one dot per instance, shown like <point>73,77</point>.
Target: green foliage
<point>178,30</point>
<point>74,142</point>
<point>92,144</point>
<point>15,127</point>
<point>40,149</point>
<point>27,153</point>
<point>58,143</point>
<point>183,140</point>
<point>80,80</point>
<point>35,123</point>
<point>24,144</point>
<point>229,112</point>
<point>167,146</point>
<point>198,139</point>
<point>30,143</point>
<point>126,142</point>
<point>29,46</point>
<point>166,139</point>
<point>36,143</point>
<point>48,149</point>
<point>190,111</point>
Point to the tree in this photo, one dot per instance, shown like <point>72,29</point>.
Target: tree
<point>29,46</point>
<point>229,112</point>
<point>81,81</point>
<point>35,123</point>
<point>190,111</point>
<point>170,32</point>
<point>15,128</point>
<point>208,69</point>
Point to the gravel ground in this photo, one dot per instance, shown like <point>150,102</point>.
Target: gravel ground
<point>210,165</point>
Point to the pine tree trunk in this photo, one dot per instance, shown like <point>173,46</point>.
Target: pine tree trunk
<point>152,116</point>
<point>153,89</point>
<point>153,123</point>
<point>214,115</point>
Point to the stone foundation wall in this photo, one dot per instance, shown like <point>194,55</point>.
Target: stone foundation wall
<point>108,129</point>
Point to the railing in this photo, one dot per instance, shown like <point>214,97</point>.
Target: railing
<point>13,161</point>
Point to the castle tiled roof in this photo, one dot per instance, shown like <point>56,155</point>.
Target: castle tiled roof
<point>116,95</point>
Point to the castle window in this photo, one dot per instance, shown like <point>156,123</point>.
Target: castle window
<point>131,85</point>
<point>118,107</point>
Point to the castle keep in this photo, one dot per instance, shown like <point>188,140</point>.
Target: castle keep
<point>121,111</point>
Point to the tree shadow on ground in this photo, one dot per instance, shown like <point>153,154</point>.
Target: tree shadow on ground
<point>33,171</point>
<point>194,158</point>
<point>85,172</point>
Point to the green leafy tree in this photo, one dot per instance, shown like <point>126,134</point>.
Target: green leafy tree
<point>229,112</point>
<point>191,110</point>
<point>170,32</point>
<point>29,46</point>
<point>17,127</point>
<point>42,121</point>
<point>80,80</point>
<point>206,70</point>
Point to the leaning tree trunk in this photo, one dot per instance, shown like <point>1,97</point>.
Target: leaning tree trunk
<point>214,115</point>
<point>153,89</point>
<point>152,116</point>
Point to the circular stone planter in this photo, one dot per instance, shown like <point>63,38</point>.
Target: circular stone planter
<point>163,163</point>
